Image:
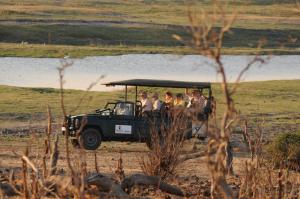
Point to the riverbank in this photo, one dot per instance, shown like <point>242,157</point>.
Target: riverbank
<point>60,51</point>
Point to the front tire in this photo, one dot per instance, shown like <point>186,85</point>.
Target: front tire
<point>90,139</point>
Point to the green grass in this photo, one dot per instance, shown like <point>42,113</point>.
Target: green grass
<point>278,101</point>
<point>157,11</point>
<point>131,35</point>
<point>59,51</point>
<point>144,26</point>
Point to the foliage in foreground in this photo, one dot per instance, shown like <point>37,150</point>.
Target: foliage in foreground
<point>285,150</point>
<point>166,142</point>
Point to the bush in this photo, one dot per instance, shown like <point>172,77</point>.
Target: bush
<point>285,150</point>
<point>166,142</point>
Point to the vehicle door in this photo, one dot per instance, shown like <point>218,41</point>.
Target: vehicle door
<point>122,121</point>
<point>142,128</point>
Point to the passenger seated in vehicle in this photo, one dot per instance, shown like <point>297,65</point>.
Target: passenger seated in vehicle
<point>196,99</point>
<point>169,101</point>
<point>156,102</point>
<point>179,101</point>
<point>146,103</point>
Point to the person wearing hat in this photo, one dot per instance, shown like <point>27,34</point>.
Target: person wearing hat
<point>146,103</point>
<point>196,98</point>
<point>156,102</point>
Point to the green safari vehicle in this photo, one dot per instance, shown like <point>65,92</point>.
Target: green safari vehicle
<point>107,125</point>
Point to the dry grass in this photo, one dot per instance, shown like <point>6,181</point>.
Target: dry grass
<point>167,136</point>
<point>260,179</point>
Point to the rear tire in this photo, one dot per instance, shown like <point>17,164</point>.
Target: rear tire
<point>90,139</point>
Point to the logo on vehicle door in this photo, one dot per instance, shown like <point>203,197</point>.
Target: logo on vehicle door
<point>123,129</point>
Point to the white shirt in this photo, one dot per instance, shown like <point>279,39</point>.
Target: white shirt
<point>157,105</point>
<point>146,105</point>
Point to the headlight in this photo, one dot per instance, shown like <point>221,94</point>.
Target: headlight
<point>77,123</point>
<point>63,129</point>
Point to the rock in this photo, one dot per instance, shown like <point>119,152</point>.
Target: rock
<point>6,190</point>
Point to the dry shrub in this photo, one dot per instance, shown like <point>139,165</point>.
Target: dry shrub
<point>119,172</point>
<point>260,180</point>
<point>208,30</point>
<point>284,151</point>
<point>207,41</point>
<point>167,136</point>
<point>32,181</point>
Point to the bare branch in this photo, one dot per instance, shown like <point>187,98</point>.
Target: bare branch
<point>86,93</point>
<point>186,157</point>
<point>256,59</point>
<point>65,63</point>
<point>139,179</point>
<point>54,156</point>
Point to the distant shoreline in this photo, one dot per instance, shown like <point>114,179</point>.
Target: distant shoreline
<point>81,51</point>
<point>120,88</point>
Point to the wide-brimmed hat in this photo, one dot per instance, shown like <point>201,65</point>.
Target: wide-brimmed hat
<point>143,93</point>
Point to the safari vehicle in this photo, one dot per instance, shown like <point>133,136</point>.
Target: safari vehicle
<point>108,124</point>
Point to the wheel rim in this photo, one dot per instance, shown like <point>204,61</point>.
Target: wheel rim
<point>91,140</point>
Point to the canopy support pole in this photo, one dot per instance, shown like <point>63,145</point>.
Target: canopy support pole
<point>126,93</point>
<point>135,94</point>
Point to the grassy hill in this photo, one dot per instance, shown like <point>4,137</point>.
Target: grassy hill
<point>275,101</point>
<point>87,27</point>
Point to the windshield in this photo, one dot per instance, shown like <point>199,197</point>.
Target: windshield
<point>124,108</point>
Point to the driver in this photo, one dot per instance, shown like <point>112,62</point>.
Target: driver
<point>146,103</point>
<point>122,109</point>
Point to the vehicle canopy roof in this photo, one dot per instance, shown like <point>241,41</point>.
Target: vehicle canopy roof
<point>160,83</point>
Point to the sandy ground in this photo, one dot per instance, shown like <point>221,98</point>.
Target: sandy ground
<point>107,155</point>
<point>192,176</point>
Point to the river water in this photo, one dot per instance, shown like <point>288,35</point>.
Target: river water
<point>42,72</point>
